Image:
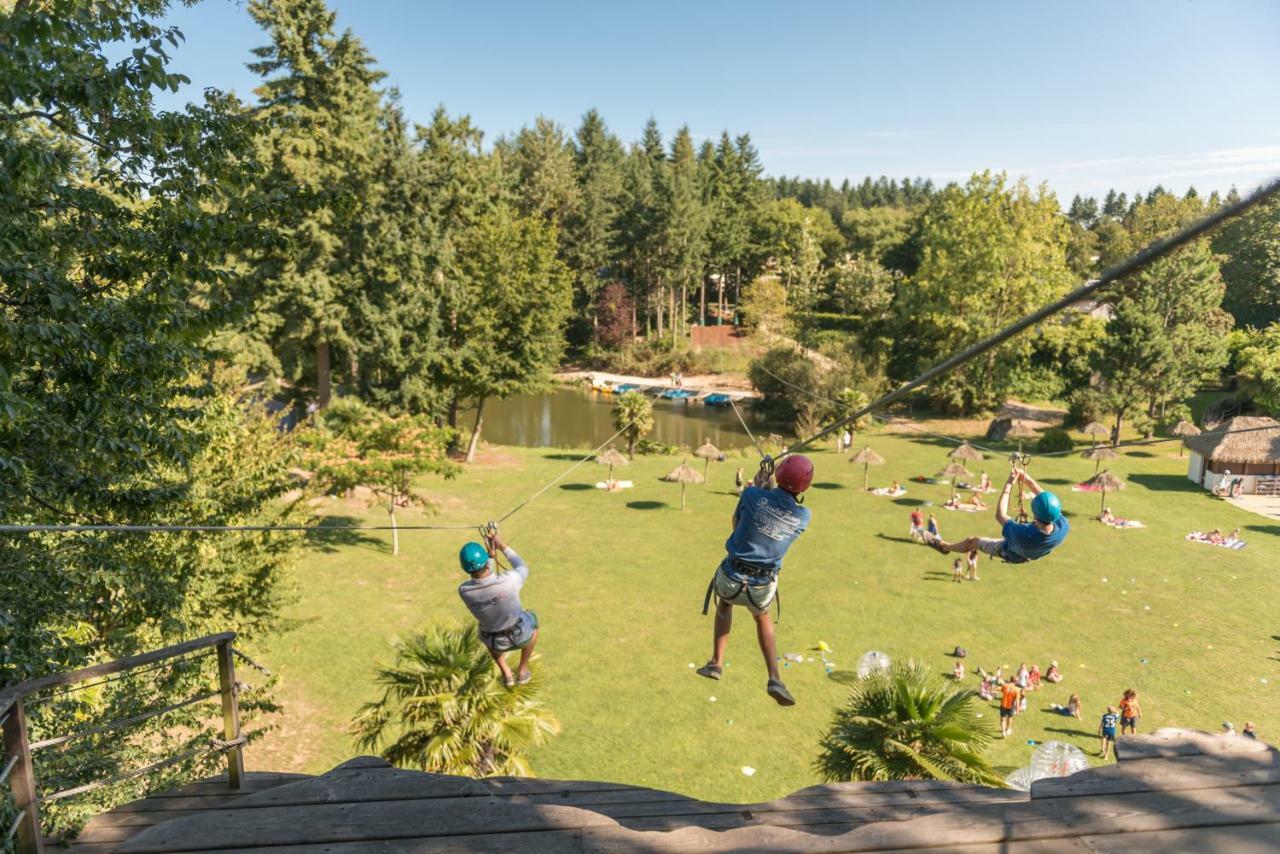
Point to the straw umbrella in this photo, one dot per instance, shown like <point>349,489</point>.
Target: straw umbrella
<point>612,457</point>
<point>1094,429</point>
<point>708,452</point>
<point>1182,430</point>
<point>1098,455</point>
<point>1108,482</point>
<point>965,452</point>
<point>953,472</point>
<point>868,458</point>
<point>684,476</point>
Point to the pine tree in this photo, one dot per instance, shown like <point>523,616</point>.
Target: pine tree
<point>320,101</point>
<point>684,227</point>
<point>590,235</point>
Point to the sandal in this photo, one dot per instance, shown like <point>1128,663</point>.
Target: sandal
<point>710,670</point>
<point>525,678</point>
<point>779,692</point>
<point>508,683</point>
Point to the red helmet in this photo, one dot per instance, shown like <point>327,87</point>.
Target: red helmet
<point>795,473</point>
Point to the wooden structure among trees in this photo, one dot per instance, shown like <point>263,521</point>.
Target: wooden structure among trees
<point>1175,790</point>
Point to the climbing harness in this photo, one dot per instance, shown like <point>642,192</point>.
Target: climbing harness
<point>750,570</point>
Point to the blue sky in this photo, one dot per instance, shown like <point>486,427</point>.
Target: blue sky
<point>1085,95</point>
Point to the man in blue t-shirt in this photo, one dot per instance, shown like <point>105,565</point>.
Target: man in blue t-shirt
<point>765,524</point>
<point>1019,542</point>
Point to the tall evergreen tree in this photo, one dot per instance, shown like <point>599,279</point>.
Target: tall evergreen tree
<point>541,160</point>
<point>1250,246</point>
<point>639,234</point>
<point>684,227</point>
<point>320,101</point>
<point>590,235</point>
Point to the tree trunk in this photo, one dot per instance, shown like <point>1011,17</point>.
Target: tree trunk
<point>395,532</point>
<point>454,406</point>
<point>631,444</point>
<point>658,300</point>
<point>683,487</point>
<point>324,389</point>
<point>1115,434</point>
<point>702,302</point>
<point>671,316</point>
<point>475,432</point>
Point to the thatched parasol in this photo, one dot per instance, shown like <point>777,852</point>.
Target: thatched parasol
<point>965,451</point>
<point>1094,430</point>
<point>953,472</point>
<point>1182,430</point>
<point>708,452</point>
<point>612,457</point>
<point>1108,482</point>
<point>684,476</point>
<point>868,458</point>
<point>1098,455</point>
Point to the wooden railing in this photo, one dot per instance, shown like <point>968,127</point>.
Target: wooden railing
<point>19,771</point>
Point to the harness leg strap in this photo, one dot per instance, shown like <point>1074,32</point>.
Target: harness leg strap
<point>706,601</point>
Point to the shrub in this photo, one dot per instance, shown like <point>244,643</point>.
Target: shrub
<point>1085,405</point>
<point>1054,440</point>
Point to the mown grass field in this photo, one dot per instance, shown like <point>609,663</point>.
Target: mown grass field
<point>618,581</point>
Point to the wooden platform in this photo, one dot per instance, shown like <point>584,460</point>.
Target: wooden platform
<point>1173,791</point>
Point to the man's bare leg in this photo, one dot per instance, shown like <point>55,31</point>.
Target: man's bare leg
<point>501,660</point>
<point>720,640</point>
<point>966,545</point>
<point>526,654</point>
<point>768,647</point>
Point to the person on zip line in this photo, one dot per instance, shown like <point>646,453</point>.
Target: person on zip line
<point>494,600</point>
<point>765,524</point>
<point>1019,542</point>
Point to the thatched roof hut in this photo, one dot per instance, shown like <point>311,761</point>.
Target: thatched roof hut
<point>683,475</point>
<point>1245,448</point>
<point>868,458</point>
<point>707,452</point>
<point>965,451</point>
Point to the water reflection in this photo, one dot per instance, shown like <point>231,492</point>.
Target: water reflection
<point>572,417</point>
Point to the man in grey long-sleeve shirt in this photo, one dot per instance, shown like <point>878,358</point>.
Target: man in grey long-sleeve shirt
<point>494,600</point>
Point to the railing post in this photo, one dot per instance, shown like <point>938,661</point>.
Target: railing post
<point>230,712</point>
<point>22,780</point>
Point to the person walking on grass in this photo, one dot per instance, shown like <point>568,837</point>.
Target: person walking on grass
<point>1130,711</point>
<point>1019,542</point>
<point>1010,695</point>
<point>494,600</point>
<point>933,530</point>
<point>1107,731</point>
<point>957,571</point>
<point>917,525</point>
<point>765,524</point>
<point>972,559</point>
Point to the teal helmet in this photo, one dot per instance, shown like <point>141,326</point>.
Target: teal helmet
<point>473,557</point>
<point>1046,507</point>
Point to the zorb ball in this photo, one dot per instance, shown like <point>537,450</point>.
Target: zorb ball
<point>1019,780</point>
<point>1057,759</point>
<point>871,662</point>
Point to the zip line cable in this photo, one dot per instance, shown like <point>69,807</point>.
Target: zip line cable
<point>1130,265</point>
<point>308,529</point>
<point>750,435</point>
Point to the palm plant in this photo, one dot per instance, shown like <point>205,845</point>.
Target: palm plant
<point>633,415</point>
<point>907,723</point>
<point>444,709</point>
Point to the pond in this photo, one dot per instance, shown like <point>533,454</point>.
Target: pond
<point>576,418</point>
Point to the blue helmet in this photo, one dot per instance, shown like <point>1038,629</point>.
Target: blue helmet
<point>473,557</point>
<point>1046,507</point>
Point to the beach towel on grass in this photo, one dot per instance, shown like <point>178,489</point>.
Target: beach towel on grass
<point>886,491</point>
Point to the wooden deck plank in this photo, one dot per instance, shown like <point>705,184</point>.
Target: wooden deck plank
<point>345,822</point>
<point>1171,742</point>
<point>1167,774</point>
<point>1236,839</point>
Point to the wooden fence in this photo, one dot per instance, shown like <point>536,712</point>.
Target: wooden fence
<point>18,769</point>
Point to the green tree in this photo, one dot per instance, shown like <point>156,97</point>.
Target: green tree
<point>1250,246</point>
<point>801,239</point>
<point>886,235</point>
<point>764,305</point>
<point>640,224</point>
<point>787,381</point>
<point>633,415</point>
<point>541,160</point>
<point>506,332</point>
<point>907,723</point>
<point>590,234</point>
<point>443,709</point>
<point>992,253</point>
<point>1258,366</point>
<point>382,454</point>
<point>684,228</point>
<point>1169,332</point>
<point>319,101</point>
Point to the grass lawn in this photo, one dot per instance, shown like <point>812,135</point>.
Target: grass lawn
<point>618,580</point>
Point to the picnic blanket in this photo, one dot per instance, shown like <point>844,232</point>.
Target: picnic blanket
<point>886,491</point>
<point>1123,523</point>
<point>970,487</point>
<point>1202,537</point>
<point>1086,487</point>
<point>967,508</point>
<point>617,484</point>
<point>922,479</point>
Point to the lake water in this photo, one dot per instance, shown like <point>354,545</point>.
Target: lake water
<point>574,418</point>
